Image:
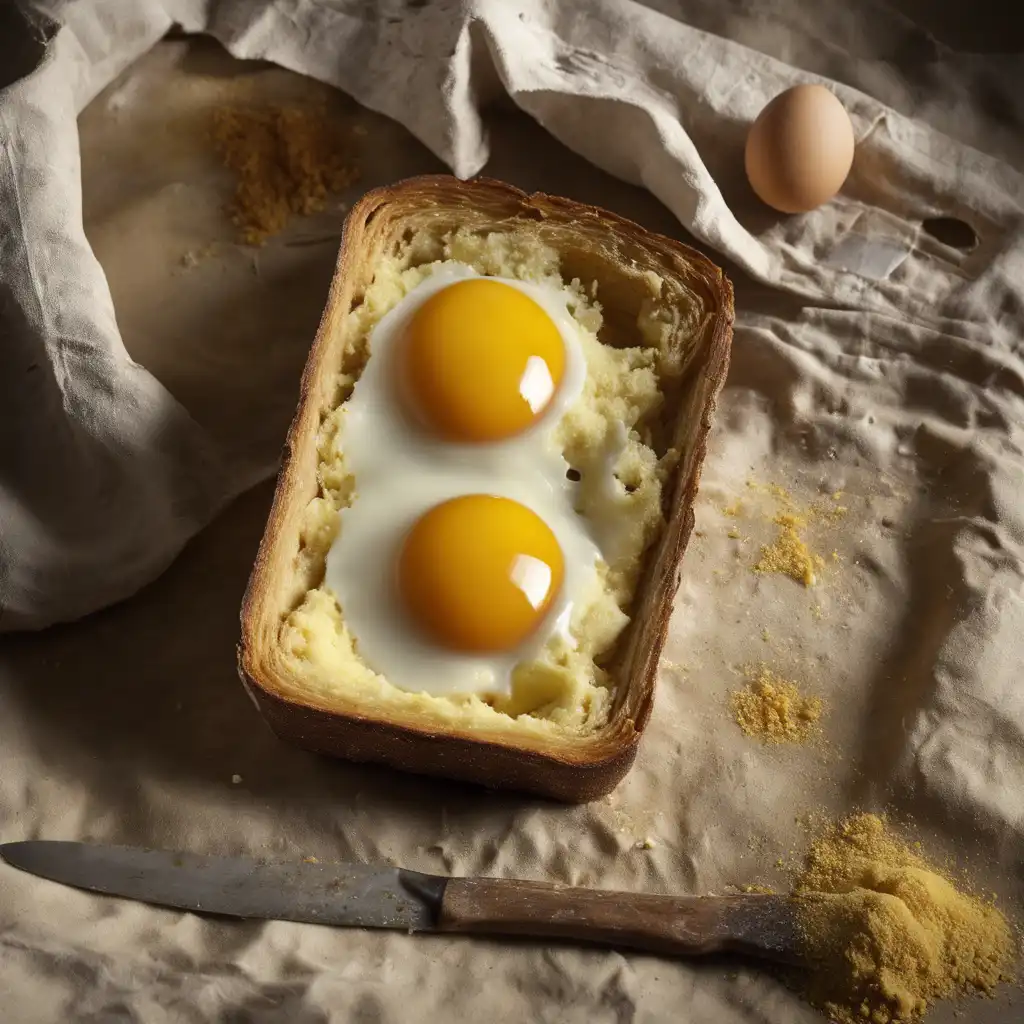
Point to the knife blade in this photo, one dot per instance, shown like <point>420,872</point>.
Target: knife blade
<point>349,895</point>
<point>367,896</point>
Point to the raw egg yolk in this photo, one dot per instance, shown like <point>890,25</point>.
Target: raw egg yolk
<point>481,361</point>
<point>478,573</point>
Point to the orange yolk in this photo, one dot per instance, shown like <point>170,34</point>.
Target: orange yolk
<point>481,361</point>
<point>478,573</point>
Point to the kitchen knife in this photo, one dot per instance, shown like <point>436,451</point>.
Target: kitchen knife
<point>366,896</point>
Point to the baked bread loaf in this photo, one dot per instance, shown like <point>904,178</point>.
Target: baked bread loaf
<point>657,317</point>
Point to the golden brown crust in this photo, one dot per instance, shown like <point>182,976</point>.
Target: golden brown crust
<point>594,245</point>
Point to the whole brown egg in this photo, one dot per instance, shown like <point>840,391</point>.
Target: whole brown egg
<point>800,149</point>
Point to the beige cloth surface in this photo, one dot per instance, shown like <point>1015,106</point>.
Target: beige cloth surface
<point>904,394</point>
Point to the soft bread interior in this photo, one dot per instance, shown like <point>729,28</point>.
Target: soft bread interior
<point>654,301</point>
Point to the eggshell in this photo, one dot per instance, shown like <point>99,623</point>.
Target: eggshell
<point>800,149</point>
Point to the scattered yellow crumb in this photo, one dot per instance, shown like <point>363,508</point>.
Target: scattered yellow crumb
<point>888,932</point>
<point>779,493</point>
<point>734,534</point>
<point>810,821</point>
<point>193,257</point>
<point>287,161</point>
<point>829,513</point>
<point>788,554</point>
<point>310,860</point>
<point>774,710</point>
<point>735,509</point>
<point>766,890</point>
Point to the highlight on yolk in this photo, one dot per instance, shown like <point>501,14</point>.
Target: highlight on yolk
<point>480,361</point>
<point>478,573</point>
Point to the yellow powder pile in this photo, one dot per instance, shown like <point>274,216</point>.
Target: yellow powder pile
<point>774,710</point>
<point>889,933</point>
<point>788,553</point>
<point>287,161</point>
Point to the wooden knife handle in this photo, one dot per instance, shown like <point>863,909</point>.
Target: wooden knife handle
<point>686,926</point>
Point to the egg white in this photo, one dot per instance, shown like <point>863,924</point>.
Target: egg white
<point>401,471</point>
